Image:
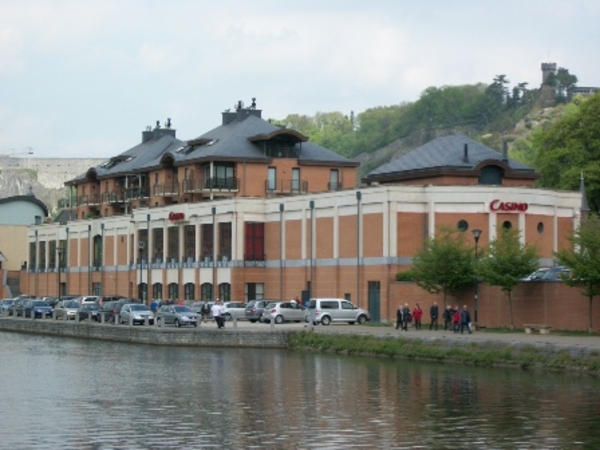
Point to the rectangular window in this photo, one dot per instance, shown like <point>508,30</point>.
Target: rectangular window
<point>254,241</point>
<point>157,245</point>
<point>173,242</point>
<point>254,291</point>
<point>207,241</point>
<point>42,254</point>
<point>32,255</point>
<point>142,249</point>
<point>271,178</point>
<point>295,180</point>
<point>52,255</point>
<point>225,241</point>
<point>334,180</point>
<point>189,242</point>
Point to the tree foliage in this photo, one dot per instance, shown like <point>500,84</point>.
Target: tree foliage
<point>508,261</point>
<point>571,147</point>
<point>444,264</point>
<point>583,260</point>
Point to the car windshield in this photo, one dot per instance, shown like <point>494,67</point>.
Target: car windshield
<point>92,307</point>
<point>138,308</point>
<point>71,305</point>
<point>181,309</point>
<point>39,303</point>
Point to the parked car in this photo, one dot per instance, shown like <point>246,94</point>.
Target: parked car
<point>87,299</point>
<point>112,309</point>
<point>254,309</point>
<point>537,275</point>
<point>66,308</point>
<point>327,310</point>
<point>18,307</point>
<point>136,313</point>
<point>37,308</point>
<point>556,274</point>
<point>283,312</point>
<point>5,306</point>
<point>233,310</point>
<point>177,315</point>
<point>88,310</point>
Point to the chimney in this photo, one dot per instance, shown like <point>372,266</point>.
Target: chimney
<point>147,135</point>
<point>466,154</point>
<point>505,150</point>
<point>241,112</point>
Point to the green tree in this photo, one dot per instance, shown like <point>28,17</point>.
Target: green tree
<point>564,82</point>
<point>444,264</point>
<point>508,261</point>
<point>583,259</point>
<point>572,146</point>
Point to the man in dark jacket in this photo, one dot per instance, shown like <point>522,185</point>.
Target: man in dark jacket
<point>448,313</point>
<point>465,320</point>
<point>434,313</point>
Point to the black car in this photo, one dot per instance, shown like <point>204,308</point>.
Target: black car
<point>89,310</point>
<point>111,309</point>
<point>38,308</point>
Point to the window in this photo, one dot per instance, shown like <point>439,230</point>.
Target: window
<point>157,291</point>
<point>207,241</point>
<point>254,291</point>
<point>97,251</point>
<point>42,255</point>
<point>491,175</point>
<point>462,225</point>
<point>173,291</point>
<point>173,244</point>
<point>32,255</point>
<point>206,292</point>
<point>157,245</point>
<point>540,227</point>
<point>189,291</point>
<point>225,241</point>
<point>189,242</point>
<point>143,254</point>
<point>225,292</point>
<point>507,225</point>
<point>271,178</point>
<point>254,241</point>
<point>295,180</point>
<point>334,180</point>
<point>52,255</point>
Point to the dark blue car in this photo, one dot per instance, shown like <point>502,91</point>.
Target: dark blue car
<point>38,308</point>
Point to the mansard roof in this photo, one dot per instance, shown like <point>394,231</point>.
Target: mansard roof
<point>447,154</point>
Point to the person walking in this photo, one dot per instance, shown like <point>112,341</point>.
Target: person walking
<point>205,311</point>
<point>448,314</point>
<point>465,320</point>
<point>399,317</point>
<point>417,316</point>
<point>405,317</point>
<point>433,314</point>
<point>456,319</point>
<point>216,313</point>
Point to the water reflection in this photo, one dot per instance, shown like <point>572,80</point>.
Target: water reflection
<point>86,394</point>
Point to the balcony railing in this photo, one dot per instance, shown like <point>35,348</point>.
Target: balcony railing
<point>113,197</point>
<point>334,186</point>
<point>136,193</point>
<point>165,190</point>
<point>286,187</point>
<point>68,203</point>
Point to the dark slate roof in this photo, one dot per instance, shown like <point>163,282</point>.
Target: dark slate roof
<point>231,141</point>
<point>26,198</point>
<point>447,152</point>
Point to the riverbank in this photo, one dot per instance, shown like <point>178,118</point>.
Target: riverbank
<point>520,350</point>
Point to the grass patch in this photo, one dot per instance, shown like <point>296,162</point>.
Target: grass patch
<point>480,354</point>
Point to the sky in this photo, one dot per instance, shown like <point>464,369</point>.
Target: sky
<point>85,78</point>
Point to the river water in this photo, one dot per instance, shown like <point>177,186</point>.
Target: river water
<point>60,393</point>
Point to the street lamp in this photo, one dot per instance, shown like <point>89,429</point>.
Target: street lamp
<point>476,236</point>
<point>59,252</point>
<point>141,246</point>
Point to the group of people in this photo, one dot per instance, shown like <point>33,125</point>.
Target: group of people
<point>455,319</point>
<point>218,311</point>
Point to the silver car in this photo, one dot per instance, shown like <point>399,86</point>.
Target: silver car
<point>136,313</point>
<point>327,310</point>
<point>233,310</point>
<point>283,312</point>
<point>66,309</point>
<point>177,315</point>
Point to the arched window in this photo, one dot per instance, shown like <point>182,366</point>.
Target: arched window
<point>189,291</point>
<point>173,291</point>
<point>157,291</point>
<point>206,292</point>
<point>491,175</point>
<point>225,292</point>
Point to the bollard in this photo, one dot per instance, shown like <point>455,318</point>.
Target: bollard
<point>77,319</point>
<point>146,321</point>
<point>130,320</point>
<point>117,319</point>
<point>102,317</point>
<point>32,314</point>
<point>235,323</point>
<point>272,323</point>
<point>157,322</point>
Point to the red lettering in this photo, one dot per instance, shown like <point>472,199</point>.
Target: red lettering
<point>173,216</point>
<point>497,205</point>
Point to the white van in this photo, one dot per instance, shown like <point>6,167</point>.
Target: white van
<point>327,310</point>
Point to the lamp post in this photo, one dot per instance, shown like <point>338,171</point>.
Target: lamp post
<point>59,252</point>
<point>141,246</point>
<point>476,236</point>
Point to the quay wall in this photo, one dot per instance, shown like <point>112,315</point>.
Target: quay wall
<point>153,335</point>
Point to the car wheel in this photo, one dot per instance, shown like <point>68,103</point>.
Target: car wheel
<point>252,320</point>
<point>228,317</point>
<point>325,320</point>
<point>279,320</point>
<point>177,323</point>
<point>362,319</point>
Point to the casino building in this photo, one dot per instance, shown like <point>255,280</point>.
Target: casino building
<point>250,210</point>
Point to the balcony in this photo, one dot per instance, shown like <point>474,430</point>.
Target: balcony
<point>113,197</point>
<point>67,203</point>
<point>165,190</point>
<point>136,194</point>
<point>254,260</point>
<point>286,187</point>
<point>334,186</point>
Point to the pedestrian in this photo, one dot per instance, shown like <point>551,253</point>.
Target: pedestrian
<point>399,317</point>
<point>465,320</point>
<point>154,306</point>
<point>456,319</point>
<point>406,317</point>
<point>216,313</point>
<point>448,313</point>
<point>433,313</point>
<point>417,316</point>
<point>205,311</point>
